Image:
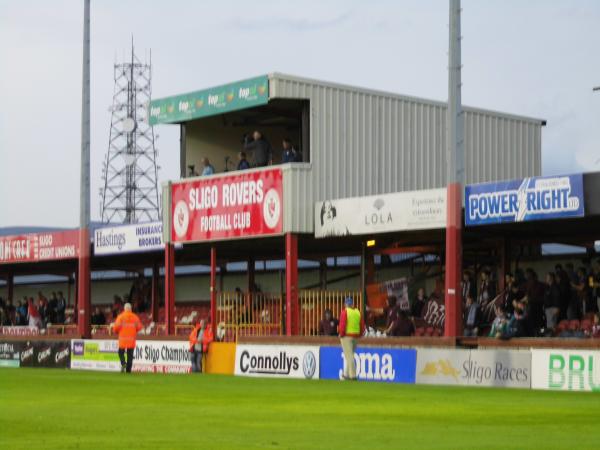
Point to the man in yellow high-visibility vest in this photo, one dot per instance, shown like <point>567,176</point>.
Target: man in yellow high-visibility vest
<point>351,327</point>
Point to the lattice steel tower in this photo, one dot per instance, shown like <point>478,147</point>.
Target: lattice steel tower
<point>130,171</point>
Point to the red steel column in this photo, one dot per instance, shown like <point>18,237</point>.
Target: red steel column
<point>291,284</point>
<point>213,285</point>
<point>170,288</point>
<point>453,302</point>
<point>155,293</point>
<point>83,284</point>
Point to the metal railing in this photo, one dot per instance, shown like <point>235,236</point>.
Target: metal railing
<point>250,314</point>
<point>313,304</point>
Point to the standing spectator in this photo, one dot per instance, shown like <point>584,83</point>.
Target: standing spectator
<point>469,287</point>
<point>487,290</point>
<point>351,327</point>
<point>392,311</point>
<point>551,301</point>
<point>51,310</point>
<point>290,154</point>
<point>199,339</point>
<point>579,301</point>
<point>117,306</point>
<point>127,325</point>
<point>4,319</point>
<point>261,148</point>
<point>207,169</point>
<point>22,312</point>
<point>33,315</point>
<point>416,309</point>
<point>519,325</point>
<point>243,163</point>
<point>61,307</point>
<point>43,312</point>
<point>98,317</point>
<point>401,326</point>
<point>564,286</point>
<point>472,317</point>
<point>512,294</point>
<point>534,291</point>
<point>11,311</point>
<point>328,325</point>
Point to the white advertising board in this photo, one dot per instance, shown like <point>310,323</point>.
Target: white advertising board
<point>565,370</point>
<point>282,361</point>
<point>139,237</point>
<point>416,210</point>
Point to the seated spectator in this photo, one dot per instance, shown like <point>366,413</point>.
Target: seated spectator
<point>61,306</point>
<point>290,154</point>
<point>416,309</point>
<point>261,148</point>
<point>401,326</point>
<point>98,317</point>
<point>518,325</point>
<point>207,168</point>
<point>243,163</point>
<point>328,326</point>
<point>500,324</point>
<point>472,317</point>
<point>596,326</point>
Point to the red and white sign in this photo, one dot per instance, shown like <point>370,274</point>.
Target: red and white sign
<point>39,247</point>
<point>19,331</point>
<point>240,205</point>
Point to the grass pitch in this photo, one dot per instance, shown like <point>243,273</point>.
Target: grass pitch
<point>45,408</point>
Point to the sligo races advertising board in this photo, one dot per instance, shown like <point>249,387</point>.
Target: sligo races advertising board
<point>36,247</point>
<point>149,356</point>
<point>372,364</point>
<point>248,203</point>
<point>279,361</point>
<point>538,198</point>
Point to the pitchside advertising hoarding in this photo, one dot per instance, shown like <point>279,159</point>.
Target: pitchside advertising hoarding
<point>128,238</point>
<point>372,364</point>
<point>278,361</point>
<point>565,370</point>
<point>497,368</point>
<point>36,247</point>
<point>416,210</point>
<point>149,356</point>
<point>248,203</point>
<point>537,198</point>
<point>52,354</point>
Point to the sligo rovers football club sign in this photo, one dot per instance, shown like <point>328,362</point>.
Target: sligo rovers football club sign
<point>241,205</point>
<point>39,247</point>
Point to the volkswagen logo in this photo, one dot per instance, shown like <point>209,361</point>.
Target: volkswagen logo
<point>309,364</point>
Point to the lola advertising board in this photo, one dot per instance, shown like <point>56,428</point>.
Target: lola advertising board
<point>149,356</point>
<point>278,361</point>
<point>36,247</point>
<point>537,198</point>
<point>140,237</point>
<point>416,210</point>
<point>372,364</point>
<point>498,368</point>
<point>247,203</point>
<point>566,370</point>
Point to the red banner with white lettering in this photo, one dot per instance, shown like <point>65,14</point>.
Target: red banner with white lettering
<point>39,247</point>
<point>241,205</point>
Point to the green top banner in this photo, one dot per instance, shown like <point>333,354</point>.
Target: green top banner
<point>208,102</point>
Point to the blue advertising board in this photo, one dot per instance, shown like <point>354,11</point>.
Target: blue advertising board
<point>372,364</point>
<point>537,198</point>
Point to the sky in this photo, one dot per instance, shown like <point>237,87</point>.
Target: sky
<point>534,58</point>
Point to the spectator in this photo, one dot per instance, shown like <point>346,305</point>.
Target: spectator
<point>472,317</point>
<point>207,169</point>
<point>243,163</point>
<point>416,309</point>
<point>11,311</point>
<point>51,310</point>
<point>401,326</point>
<point>98,317</point>
<point>4,319</point>
<point>22,312</point>
<point>551,301</point>
<point>33,315</point>
<point>596,326</point>
<point>469,287</point>
<point>61,306</point>
<point>500,324</point>
<point>564,286</point>
<point>351,327</point>
<point>534,292</point>
<point>117,306</point>
<point>579,301</point>
<point>518,325</point>
<point>289,152</point>
<point>487,291</point>
<point>43,312</point>
<point>328,325</point>
<point>512,294</point>
<point>391,311</point>
<point>262,151</point>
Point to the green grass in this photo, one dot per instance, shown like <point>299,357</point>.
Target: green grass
<point>45,408</point>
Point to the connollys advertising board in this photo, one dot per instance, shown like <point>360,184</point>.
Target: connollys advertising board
<point>208,102</point>
<point>277,361</point>
<point>245,204</point>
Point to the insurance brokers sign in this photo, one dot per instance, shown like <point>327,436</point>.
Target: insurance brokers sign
<point>140,237</point>
<point>537,198</point>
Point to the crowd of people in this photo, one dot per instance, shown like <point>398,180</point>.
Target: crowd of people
<point>530,307</point>
<point>261,151</point>
<point>37,313</point>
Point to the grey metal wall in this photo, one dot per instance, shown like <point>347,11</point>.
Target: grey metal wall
<point>368,142</point>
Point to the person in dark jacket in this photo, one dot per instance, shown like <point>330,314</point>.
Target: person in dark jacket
<point>290,154</point>
<point>243,163</point>
<point>416,308</point>
<point>472,317</point>
<point>551,301</point>
<point>261,149</point>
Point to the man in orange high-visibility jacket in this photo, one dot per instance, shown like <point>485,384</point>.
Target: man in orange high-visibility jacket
<point>127,325</point>
<point>199,338</point>
<point>351,327</point>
